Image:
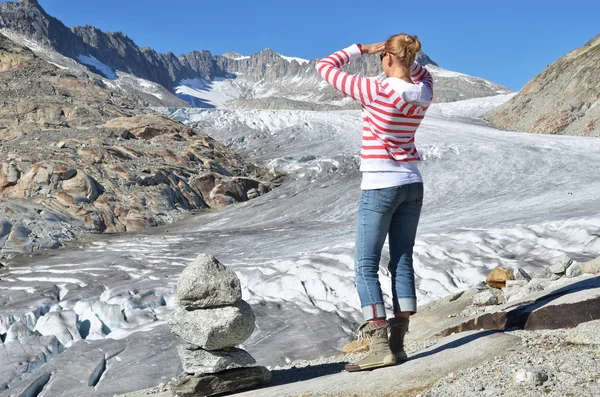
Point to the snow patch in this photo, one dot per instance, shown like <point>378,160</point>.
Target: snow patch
<point>90,60</point>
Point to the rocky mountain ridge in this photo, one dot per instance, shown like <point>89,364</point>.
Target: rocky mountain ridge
<point>563,99</point>
<point>277,76</point>
<point>79,155</point>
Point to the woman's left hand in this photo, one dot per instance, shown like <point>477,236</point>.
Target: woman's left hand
<point>373,48</point>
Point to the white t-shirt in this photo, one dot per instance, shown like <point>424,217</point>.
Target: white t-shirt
<point>408,172</point>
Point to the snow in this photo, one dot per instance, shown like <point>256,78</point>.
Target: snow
<point>492,198</point>
<point>90,60</point>
<point>205,93</point>
<point>441,72</point>
<point>299,60</point>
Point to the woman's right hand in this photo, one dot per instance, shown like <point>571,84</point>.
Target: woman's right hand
<point>373,48</point>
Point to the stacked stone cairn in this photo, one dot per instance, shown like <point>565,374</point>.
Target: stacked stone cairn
<point>213,319</point>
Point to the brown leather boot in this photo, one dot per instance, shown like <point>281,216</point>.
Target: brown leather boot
<point>380,354</point>
<point>398,328</point>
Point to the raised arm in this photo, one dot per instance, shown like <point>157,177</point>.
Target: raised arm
<point>423,80</point>
<point>361,89</point>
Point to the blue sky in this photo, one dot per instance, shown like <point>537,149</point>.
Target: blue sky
<point>508,41</point>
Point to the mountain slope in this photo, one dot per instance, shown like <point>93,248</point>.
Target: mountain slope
<point>264,75</point>
<point>81,155</point>
<point>563,99</point>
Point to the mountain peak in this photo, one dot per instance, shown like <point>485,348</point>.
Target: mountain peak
<point>30,3</point>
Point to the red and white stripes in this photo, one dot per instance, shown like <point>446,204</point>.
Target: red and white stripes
<point>390,121</point>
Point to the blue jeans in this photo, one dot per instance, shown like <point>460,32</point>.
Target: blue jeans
<point>394,211</point>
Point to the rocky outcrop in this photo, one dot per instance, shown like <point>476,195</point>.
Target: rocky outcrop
<point>549,300</point>
<point>78,155</point>
<point>562,99</point>
<point>213,319</point>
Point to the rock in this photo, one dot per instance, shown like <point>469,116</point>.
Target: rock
<point>560,267</point>
<point>214,329</point>
<point>486,298</point>
<point>62,324</point>
<point>513,287</point>
<point>206,283</point>
<point>252,194</point>
<point>574,270</point>
<point>544,273</point>
<point>222,382</point>
<point>531,378</point>
<point>497,278</point>
<point>592,267</point>
<point>199,361</point>
<point>149,126</point>
<point>564,306</point>
<point>585,334</point>
<point>521,274</point>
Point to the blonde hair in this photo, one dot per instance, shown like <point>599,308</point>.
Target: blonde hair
<point>404,46</point>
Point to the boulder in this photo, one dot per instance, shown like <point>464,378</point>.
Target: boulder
<point>497,278</point>
<point>560,267</point>
<point>585,334</point>
<point>199,361</point>
<point>214,329</point>
<point>206,283</point>
<point>514,288</point>
<point>545,273</point>
<point>574,270</point>
<point>488,297</point>
<point>521,274</point>
<point>592,267</point>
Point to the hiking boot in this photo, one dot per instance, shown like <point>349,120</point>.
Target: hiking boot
<point>398,328</point>
<point>379,354</point>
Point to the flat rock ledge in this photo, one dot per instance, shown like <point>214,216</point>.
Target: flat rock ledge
<point>222,382</point>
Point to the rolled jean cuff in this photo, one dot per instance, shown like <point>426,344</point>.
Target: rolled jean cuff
<point>373,311</point>
<point>405,305</point>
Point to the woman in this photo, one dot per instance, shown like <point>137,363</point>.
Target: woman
<point>392,188</point>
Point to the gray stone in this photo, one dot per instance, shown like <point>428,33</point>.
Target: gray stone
<point>574,270</point>
<point>521,274</point>
<point>62,324</point>
<point>543,273</point>
<point>214,329</point>
<point>223,382</point>
<point>206,283</point>
<point>199,361</point>
<point>514,288</point>
<point>557,268</point>
<point>592,267</point>
<point>585,334</point>
<point>486,298</point>
<point>531,378</point>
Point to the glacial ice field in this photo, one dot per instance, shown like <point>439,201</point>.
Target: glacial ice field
<point>492,198</point>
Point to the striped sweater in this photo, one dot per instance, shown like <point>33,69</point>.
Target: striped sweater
<point>391,115</point>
